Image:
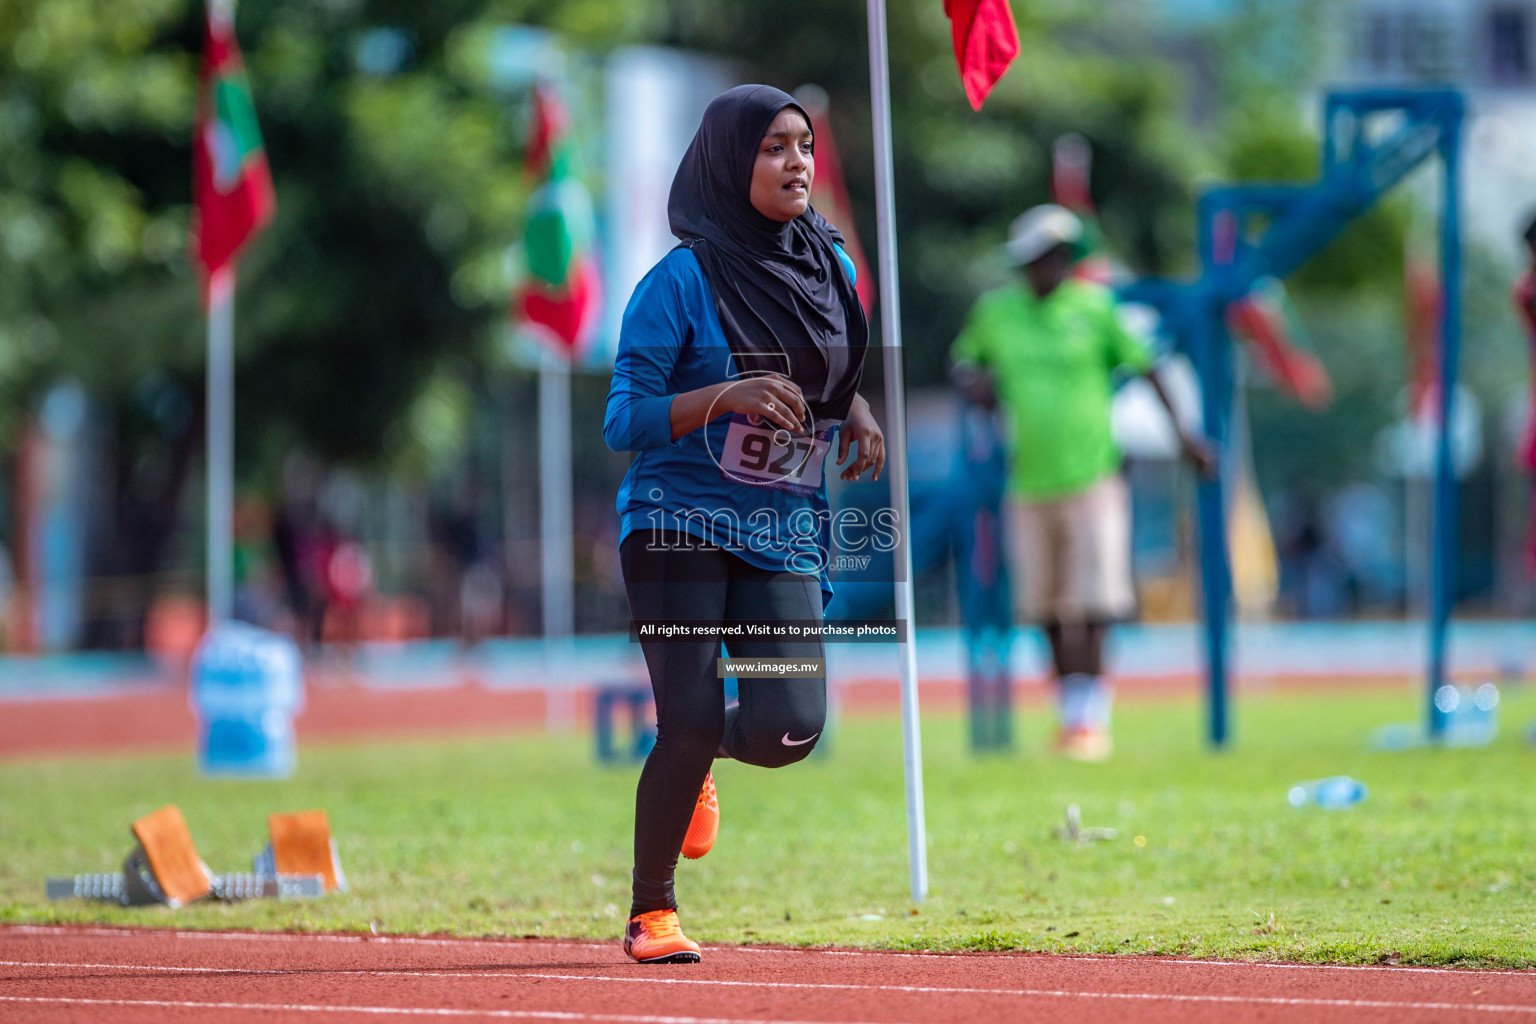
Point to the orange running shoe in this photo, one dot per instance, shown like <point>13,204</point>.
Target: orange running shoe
<point>1085,743</point>
<point>657,938</point>
<point>705,825</point>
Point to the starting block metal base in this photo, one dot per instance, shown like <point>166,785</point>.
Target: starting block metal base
<point>230,888</point>
<point>106,888</point>
<point>248,886</point>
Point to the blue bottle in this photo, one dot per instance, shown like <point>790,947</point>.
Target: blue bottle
<point>1331,794</point>
<point>247,686</point>
<point>1471,715</point>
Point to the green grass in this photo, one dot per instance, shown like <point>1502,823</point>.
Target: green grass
<point>530,837</point>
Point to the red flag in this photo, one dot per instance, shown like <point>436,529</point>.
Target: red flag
<point>1421,330</point>
<point>232,194</point>
<point>1524,296</point>
<point>986,41</point>
<point>1071,168</point>
<point>1071,171</point>
<point>829,194</point>
<point>1260,319</point>
<point>566,313</point>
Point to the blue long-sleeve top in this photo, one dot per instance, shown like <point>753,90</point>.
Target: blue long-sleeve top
<point>670,341</point>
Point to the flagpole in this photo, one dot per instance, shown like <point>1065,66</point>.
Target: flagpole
<point>221,443</point>
<point>556,547</point>
<point>896,445</point>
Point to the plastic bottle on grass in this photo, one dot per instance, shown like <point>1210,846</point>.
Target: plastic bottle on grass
<point>1471,715</point>
<point>247,686</point>
<point>1331,794</point>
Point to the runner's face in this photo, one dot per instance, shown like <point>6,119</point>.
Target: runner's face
<point>782,173</point>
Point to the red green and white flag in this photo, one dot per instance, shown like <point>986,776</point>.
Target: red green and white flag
<point>560,296</point>
<point>232,193</point>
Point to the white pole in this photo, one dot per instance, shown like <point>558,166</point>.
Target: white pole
<point>896,444</point>
<point>556,549</point>
<point>221,444</point>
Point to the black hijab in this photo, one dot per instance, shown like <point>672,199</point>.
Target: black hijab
<point>784,302</point>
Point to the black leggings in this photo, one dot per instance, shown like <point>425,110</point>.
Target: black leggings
<point>672,576</point>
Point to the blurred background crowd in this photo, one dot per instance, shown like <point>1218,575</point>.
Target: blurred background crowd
<point>387,441</point>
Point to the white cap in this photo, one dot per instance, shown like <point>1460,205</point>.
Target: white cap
<point>1037,231</point>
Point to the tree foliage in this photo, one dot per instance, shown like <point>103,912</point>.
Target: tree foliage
<point>366,314</point>
<point>399,185</point>
<point>397,162</point>
<point>398,173</point>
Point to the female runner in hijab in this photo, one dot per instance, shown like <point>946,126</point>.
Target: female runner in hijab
<point>739,358</point>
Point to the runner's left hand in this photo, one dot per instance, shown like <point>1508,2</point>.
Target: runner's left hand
<point>860,427</point>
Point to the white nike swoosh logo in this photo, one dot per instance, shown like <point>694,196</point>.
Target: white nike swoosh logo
<point>799,743</point>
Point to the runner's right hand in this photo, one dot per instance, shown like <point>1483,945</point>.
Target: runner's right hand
<point>774,398</point>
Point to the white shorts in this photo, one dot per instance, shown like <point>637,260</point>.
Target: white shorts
<point>1069,559</point>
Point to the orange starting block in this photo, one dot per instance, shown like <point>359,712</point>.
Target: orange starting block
<point>302,845</point>
<point>164,867</point>
<point>165,862</point>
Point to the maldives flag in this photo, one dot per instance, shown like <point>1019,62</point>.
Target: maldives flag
<point>986,41</point>
<point>232,194</point>
<point>561,293</point>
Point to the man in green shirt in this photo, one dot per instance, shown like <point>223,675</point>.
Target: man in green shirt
<point>1046,347</point>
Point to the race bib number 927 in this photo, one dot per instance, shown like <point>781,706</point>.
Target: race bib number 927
<point>763,455</point>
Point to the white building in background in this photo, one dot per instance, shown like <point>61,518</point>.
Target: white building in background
<point>1480,44</point>
<point>666,91</point>
<point>1485,47</point>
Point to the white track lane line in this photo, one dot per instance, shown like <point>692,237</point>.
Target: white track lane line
<point>168,968</point>
<point>411,1011</point>
<point>512,974</point>
<point>391,940</point>
<point>1343,1004</point>
<point>1153,958</point>
<point>414,940</point>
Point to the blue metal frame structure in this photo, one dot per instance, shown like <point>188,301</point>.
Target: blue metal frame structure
<point>958,513</point>
<point>1372,139</point>
<point>976,523</point>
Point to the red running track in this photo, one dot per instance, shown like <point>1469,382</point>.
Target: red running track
<point>54,974</point>
<point>159,720</point>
